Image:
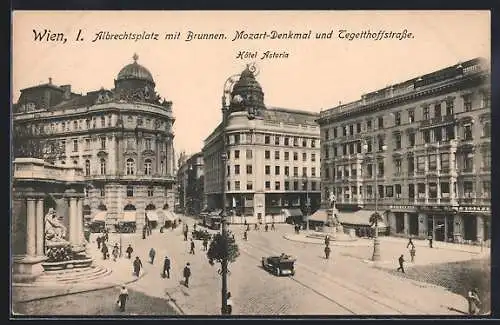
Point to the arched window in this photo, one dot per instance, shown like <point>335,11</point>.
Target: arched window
<point>103,166</point>
<point>147,167</point>
<point>130,167</point>
<point>87,167</point>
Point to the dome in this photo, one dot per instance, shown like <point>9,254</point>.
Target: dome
<point>247,94</point>
<point>247,82</point>
<point>135,71</point>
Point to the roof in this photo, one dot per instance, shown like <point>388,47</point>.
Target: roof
<point>286,115</point>
<point>135,71</point>
<point>320,215</point>
<point>361,218</point>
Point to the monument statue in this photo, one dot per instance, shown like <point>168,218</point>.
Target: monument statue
<point>55,231</point>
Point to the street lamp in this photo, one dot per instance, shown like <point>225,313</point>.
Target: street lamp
<point>376,242</point>
<point>307,204</point>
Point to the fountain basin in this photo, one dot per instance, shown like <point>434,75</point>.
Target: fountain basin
<point>70,264</point>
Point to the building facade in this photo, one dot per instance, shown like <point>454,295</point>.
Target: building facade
<point>272,156</point>
<point>419,151</point>
<point>190,180</point>
<point>122,139</point>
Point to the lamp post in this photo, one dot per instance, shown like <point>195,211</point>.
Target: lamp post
<point>307,204</point>
<point>376,242</point>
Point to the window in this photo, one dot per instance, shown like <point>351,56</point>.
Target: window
<point>346,171</point>
<point>103,121</point>
<point>130,166</point>
<point>276,140</point>
<point>340,170</point>
<point>295,186</point>
<point>236,154</point>
<point>344,130</point>
<point>358,127</point>
<point>130,191</point>
<point>425,113</point>
<point>277,185</point>
<point>103,142</point>
<point>389,191</point>
<point>468,103</point>
<point>287,171</point>
<point>411,115</point>
<point>249,154</point>
<point>147,167</point>
<point>304,156</point>
<point>150,191</point>
<point>369,170</point>
<point>287,185</point>
<point>287,155</point>
<point>381,169</point>
<point>228,155</point>
<point>103,166</point>
<point>354,170</point>
<point>276,155</point>
<point>295,156</point>
<point>88,141</point>
<point>411,139</point>
<point>276,170</point>
<point>369,145</point>
<point>295,171</point>
<point>411,191</point>
<point>267,139</point>
<point>304,142</point>
<point>267,154</point>
<point>411,164</point>
<point>486,189</point>
<point>397,190</point>
<point>437,110</point>
<point>130,143</point>
<point>426,134</point>
<point>468,132</point>
<point>304,171</point>
<point>313,171</point>
<point>75,145</point>
<point>147,143</point>
<point>445,162</point>
<point>432,162</point>
<point>313,186</point>
<point>421,190</point>
<point>304,185</point>
<point>445,190</point>
<point>381,144</point>
<point>75,125</point>
<point>249,186</point>
<point>102,192</point>
<point>334,132</point>
<point>237,185</point>
<point>334,151</point>
<point>327,172</point>
<point>287,141</point>
<point>449,107</point>
<point>87,124</point>
<point>438,134</point>
<point>397,166</point>
<point>468,162</point>
<point>432,190</point>
<point>485,101</point>
<point>468,189</point>
<point>380,191</point>
<point>486,130</point>
<point>397,118</point>
<point>249,169</point>
<point>236,138</point>
<point>268,185</point>
<point>369,125</point>
<point>351,148</point>
<point>236,169</point>
<point>313,143</point>
<point>268,169</point>
<point>228,172</point>
<point>421,163</point>
<point>295,142</point>
<point>380,123</point>
<point>369,191</point>
<point>351,129</point>
<point>450,132</point>
<point>87,167</point>
<point>313,157</point>
<point>486,159</point>
<point>397,141</point>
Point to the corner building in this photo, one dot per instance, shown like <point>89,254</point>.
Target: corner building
<point>122,139</point>
<point>420,149</point>
<point>272,157</point>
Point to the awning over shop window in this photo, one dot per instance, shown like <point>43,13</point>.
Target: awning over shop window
<point>358,218</point>
<point>152,215</point>
<point>292,213</point>
<point>100,216</point>
<point>319,215</point>
<point>129,216</point>
<point>169,215</point>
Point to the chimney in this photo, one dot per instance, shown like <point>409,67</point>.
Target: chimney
<point>50,81</point>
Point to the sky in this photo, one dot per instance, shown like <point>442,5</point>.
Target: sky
<point>316,75</point>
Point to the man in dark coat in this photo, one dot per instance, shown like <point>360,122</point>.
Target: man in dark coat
<point>401,260</point>
<point>192,247</point>
<point>129,251</point>
<point>187,274</point>
<point>152,254</point>
<point>166,267</point>
<point>137,266</point>
<point>98,240</point>
<point>205,243</point>
<point>410,243</point>
<point>104,251</point>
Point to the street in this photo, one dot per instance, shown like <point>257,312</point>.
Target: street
<point>342,285</point>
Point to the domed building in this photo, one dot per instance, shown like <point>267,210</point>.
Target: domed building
<point>273,158</point>
<point>122,138</point>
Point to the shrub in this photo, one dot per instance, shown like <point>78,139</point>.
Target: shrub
<point>216,249</point>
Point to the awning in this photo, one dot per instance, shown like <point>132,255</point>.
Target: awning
<point>129,216</point>
<point>320,215</point>
<point>169,215</point>
<point>358,218</point>
<point>100,216</point>
<point>152,215</point>
<point>292,213</point>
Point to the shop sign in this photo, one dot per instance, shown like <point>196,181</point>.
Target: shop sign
<point>474,209</point>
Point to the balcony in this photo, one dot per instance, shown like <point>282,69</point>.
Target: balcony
<point>437,121</point>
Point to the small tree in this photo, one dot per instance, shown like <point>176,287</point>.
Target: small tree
<point>216,251</point>
<point>375,218</point>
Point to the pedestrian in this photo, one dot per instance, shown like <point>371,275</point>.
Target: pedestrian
<point>401,260</point>
<point>192,247</point>
<point>412,254</point>
<point>104,251</point>
<point>166,267</point>
<point>327,240</point>
<point>248,227</point>
<point>474,302</point>
<point>137,266</point>
<point>410,243</point>
<point>245,235</point>
<point>194,227</point>
<point>152,254</point>
<point>98,240</point>
<point>144,233</point>
<point>172,226</point>
<point>205,243</point>
<point>246,222</point>
<point>185,235</point>
<point>266,227</point>
<point>122,298</point>
<point>115,252</point>
<point>272,226</point>
<point>187,274</point>
<point>229,310</point>
<point>256,226</point>
<point>430,241</point>
<point>129,251</point>
<point>327,252</point>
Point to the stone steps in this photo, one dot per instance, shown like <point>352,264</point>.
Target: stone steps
<point>73,276</point>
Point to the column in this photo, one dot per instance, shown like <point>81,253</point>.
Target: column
<point>73,221</point>
<point>139,163</point>
<point>479,228</point>
<point>168,158</point>
<point>79,209</point>
<point>118,157</point>
<point>30,227</point>
<point>158,155</point>
<point>406,223</point>
<point>457,228</point>
<point>40,231</point>
<point>438,188</point>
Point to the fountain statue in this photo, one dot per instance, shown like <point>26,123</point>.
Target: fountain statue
<point>55,231</point>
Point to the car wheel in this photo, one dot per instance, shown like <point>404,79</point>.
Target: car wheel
<point>278,271</point>
<point>293,273</point>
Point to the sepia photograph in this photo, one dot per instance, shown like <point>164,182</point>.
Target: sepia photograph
<point>250,163</point>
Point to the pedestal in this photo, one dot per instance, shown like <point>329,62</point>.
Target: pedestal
<point>26,268</point>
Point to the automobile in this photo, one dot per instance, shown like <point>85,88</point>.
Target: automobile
<point>279,265</point>
<point>201,234</point>
<point>125,226</point>
<point>97,226</point>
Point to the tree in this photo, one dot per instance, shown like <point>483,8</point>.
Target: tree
<point>375,218</point>
<point>216,250</point>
